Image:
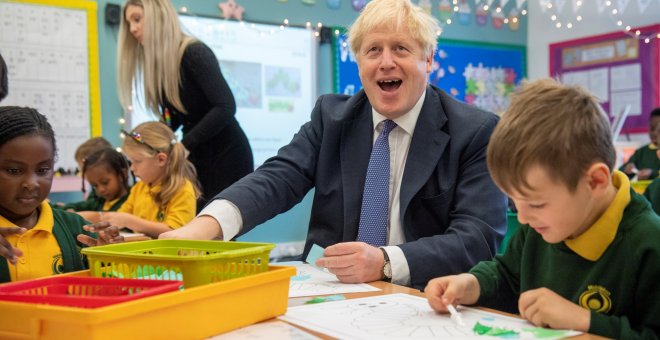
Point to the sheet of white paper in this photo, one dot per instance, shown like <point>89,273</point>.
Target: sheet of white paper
<point>626,77</point>
<point>268,330</point>
<point>403,316</point>
<point>311,281</point>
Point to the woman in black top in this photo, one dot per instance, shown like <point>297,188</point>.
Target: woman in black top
<point>183,83</point>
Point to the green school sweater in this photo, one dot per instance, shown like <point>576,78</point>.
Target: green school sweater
<point>621,287</point>
<point>652,193</point>
<point>66,227</point>
<point>93,203</point>
<point>645,157</point>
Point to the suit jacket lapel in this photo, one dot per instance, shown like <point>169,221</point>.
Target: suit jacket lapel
<point>426,147</point>
<point>356,144</point>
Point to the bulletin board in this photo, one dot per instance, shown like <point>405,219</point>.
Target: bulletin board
<point>481,74</point>
<point>51,51</point>
<point>618,68</point>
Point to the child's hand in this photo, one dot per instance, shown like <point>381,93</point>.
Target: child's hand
<point>630,169</point>
<point>107,234</point>
<point>644,174</point>
<point>6,250</point>
<point>454,289</point>
<point>545,308</point>
<point>122,220</point>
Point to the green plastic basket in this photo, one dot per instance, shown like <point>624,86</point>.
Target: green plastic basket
<point>193,262</point>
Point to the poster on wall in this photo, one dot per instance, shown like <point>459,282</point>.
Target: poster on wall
<point>480,74</point>
<point>618,68</point>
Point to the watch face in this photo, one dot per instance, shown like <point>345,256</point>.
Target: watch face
<point>387,270</point>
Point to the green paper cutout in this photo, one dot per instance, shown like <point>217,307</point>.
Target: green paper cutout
<point>492,331</point>
<point>541,333</point>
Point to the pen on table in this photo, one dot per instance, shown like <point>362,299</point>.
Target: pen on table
<point>455,315</point>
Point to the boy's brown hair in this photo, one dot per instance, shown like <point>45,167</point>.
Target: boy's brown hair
<point>558,127</point>
<point>89,147</point>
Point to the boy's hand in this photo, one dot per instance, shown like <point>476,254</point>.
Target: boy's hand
<point>6,250</point>
<point>630,169</point>
<point>353,262</point>
<point>107,234</point>
<point>462,289</point>
<point>545,308</point>
<point>644,174</point>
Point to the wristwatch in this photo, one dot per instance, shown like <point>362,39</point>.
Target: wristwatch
<point>387,267</point>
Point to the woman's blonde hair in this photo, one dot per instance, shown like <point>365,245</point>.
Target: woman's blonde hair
<point>395,14</point>
<point>151,138</point>
<point>158,61</point>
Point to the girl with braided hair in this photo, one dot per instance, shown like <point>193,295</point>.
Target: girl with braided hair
<point>35,239</point>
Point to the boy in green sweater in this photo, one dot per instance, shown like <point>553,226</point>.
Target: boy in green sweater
<point>644,163</point>
<point>586,256</point>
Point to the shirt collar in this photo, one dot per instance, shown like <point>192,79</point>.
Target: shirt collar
<point>594,241</point>
<point>407,121</point>
<point>44,222</point>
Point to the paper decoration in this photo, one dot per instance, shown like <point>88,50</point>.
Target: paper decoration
<point>514,21</point>
<point>576,7</point>
<point>481,16</point>
<point>503,3</point>
<point>358,5</point>
<point>446,10</point>
<point>559,4</point>
<point>519,3</point>
<point>489,2</point>
<point>642,5</point>
<point>498,19</point>
<point>231,9</point>
<point>622,4</point>
<point>333,4</point>
<point>425,5</point>
<point>464,13</point>
<point>600,5</point>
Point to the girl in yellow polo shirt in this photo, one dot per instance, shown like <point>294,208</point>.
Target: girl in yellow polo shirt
<point>166,195</point>
<point>35,239</point>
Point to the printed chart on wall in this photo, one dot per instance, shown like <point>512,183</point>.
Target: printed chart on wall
<point>403,316</point>
<point>271,73</point>
<point>51,51</point>
<point>617,68</point>
<point>478,73</point>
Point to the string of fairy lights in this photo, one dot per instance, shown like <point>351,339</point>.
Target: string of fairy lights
<point>613,13</point>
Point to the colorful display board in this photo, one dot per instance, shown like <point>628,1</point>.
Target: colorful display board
<point>481,74</point>
<point>618,68</point>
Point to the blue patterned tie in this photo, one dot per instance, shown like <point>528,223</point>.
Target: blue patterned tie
<point>375,199</point>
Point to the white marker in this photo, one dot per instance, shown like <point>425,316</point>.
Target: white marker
<point>455,315</point>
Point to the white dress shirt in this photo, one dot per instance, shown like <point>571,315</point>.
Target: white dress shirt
<point>231,221</point>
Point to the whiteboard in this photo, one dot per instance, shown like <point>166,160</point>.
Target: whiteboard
<point>47,52</point>
<point>271,71</point>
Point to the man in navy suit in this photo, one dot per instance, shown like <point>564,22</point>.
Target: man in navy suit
<point>444,214</point>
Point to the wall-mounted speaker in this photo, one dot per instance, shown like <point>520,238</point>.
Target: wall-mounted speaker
<point>112,14</point>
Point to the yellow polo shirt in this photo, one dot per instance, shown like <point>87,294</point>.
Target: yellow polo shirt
<point>41,252</point>
<point>180,209</point>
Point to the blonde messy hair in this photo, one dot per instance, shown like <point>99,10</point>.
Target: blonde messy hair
<point>558,127</point>
<point>158,61</point>
<point>158,136</point>
<point>395,14</point>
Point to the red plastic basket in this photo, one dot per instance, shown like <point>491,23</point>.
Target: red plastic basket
<point>84,292</point>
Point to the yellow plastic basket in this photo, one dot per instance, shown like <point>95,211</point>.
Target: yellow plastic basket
<point>193,262</point>
<point>194,313</point>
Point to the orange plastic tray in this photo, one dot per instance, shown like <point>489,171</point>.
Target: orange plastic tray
<point>193,313</point>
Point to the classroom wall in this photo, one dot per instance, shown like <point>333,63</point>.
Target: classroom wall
<point>543,32</point>
<point>273,11</point>
<point>292,225</point>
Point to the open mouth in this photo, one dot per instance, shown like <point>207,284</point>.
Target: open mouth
<point>389,85</point>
